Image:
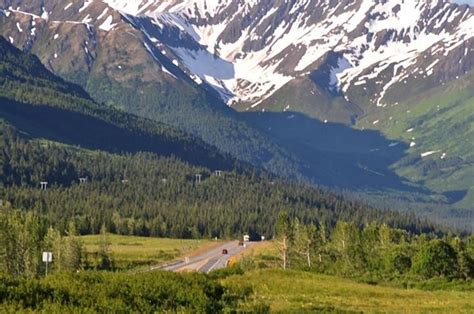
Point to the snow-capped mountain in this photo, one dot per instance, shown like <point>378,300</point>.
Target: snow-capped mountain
<point>248,50</point>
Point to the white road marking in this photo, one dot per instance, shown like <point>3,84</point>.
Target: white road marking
<point>213,266</point>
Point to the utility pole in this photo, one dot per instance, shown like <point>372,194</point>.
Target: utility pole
<point>198,178</point>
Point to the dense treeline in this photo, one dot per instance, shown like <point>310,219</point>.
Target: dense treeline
<point>373,251</point>
<point>349,250</point>
<point>143,194</point>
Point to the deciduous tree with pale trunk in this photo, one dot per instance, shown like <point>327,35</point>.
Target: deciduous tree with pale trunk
<point>284,237</point>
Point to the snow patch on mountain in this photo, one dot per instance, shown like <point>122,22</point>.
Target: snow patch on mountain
<point>108,24</point>
<point>335,74</point>
<point>86,4</point>
<point>102,15</point>
<point>426,154</point>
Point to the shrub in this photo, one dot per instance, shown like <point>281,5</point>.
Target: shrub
<point>102,292</point>
<point>436,259</point>
<point>398,262</point>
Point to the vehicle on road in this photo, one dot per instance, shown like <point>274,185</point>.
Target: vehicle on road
<point>225,252</point>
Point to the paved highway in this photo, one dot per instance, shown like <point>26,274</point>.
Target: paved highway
<point>208,261</point>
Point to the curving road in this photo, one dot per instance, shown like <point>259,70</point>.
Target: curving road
<point>208,261</point>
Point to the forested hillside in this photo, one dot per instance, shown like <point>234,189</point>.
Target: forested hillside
<point>120,72</point>
<point>144,194</point>
<point>44,106</point>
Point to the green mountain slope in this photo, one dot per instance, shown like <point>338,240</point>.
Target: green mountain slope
<point>119,71</point>
<point>44,106</point>
<point>200,113</point>
<point>373,159</point>
<point>439,127</point>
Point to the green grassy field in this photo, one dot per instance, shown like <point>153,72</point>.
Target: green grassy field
<point>297,292</point>
<point>131,252</point>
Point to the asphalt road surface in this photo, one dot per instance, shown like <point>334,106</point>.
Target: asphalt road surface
<point>208,261</point>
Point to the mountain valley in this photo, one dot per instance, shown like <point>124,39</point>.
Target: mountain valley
<point>336,93</point>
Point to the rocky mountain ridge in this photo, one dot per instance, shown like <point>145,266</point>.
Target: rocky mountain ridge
<point>246,51</point>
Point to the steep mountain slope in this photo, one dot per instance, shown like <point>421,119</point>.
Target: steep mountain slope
<point>93,45</point>
<point>44,106</point>
<point>360,49</point>
<point>333,61</point>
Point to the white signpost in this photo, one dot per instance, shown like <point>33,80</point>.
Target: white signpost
<point>47,258</point>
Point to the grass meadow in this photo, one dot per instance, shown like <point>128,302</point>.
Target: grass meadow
<point>130,252</point>
<point>303,292</point>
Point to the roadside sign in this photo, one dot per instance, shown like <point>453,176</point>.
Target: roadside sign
<point>47,257</point>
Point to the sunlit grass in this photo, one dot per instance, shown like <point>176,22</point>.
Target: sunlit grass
<point>130,252</point>
<point>295,291</point>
